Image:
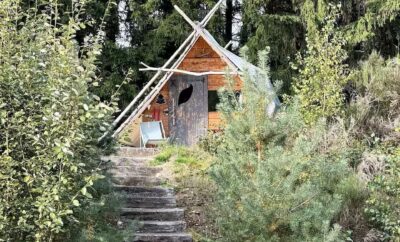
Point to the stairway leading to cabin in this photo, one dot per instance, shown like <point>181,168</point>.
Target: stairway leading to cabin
<point>148,202</point>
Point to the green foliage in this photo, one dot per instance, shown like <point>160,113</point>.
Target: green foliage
<point>374,108</point>
<point>165,155</point>
<point>178,154</point>
<point>157,37</point>
<point>378,15</point>
<point>50,124</point>
<point>278,180</point>
<point>379,79</point>
<point>211,141</point>
<point>365,25</point>
<point>277,24</point>
<point>373,116</point>
<point>323,74</point>
<point>383,208</point>
<point>117,71</point>
<point>99,216</point>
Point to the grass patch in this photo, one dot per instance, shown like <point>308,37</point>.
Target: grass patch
<point>178,154</point>
<point>162,158</point>
<point>185,160</point>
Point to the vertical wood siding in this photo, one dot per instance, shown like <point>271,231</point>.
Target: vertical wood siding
<point>188,121</point>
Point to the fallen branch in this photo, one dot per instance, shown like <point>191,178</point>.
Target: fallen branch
<point>149,68</point>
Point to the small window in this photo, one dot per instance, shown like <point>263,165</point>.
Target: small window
<point>213,101</point>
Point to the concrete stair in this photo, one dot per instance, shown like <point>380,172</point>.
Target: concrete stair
<point>151,202</point>
<point>163,237</point>
<point>145,191</point>
<point>153,214</point>
<point>162,227</point>
<point>146,181</point>
<point>153,206</point>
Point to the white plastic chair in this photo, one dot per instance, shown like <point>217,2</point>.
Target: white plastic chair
<point>152,133</point>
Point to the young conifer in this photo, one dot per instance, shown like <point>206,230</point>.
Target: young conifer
<point>276,179</point>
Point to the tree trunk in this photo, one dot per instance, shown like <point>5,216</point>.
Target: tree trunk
<point>228,21</point>
<point>124,35</point>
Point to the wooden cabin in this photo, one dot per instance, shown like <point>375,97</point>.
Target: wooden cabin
<point>184,99</point>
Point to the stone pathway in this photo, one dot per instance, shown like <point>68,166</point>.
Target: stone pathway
<point>148,202</point>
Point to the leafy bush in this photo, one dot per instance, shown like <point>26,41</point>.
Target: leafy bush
<point>98,217</point>
<point>49,125</point>
<point>277,179</point>
<point>323,73</point>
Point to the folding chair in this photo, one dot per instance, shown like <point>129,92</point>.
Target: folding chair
<point>152,133</point>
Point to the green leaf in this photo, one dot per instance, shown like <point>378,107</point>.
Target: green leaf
<point>76,203</point>
<point>84,191</point>
<point>27,179</point>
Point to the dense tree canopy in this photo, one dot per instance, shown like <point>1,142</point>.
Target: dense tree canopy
<point>157,30</point>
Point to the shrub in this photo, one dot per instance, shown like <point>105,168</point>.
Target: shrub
<point>372,117</point>
<point>49,125</point>
<point>277,179</point>
<point>98,217</point>
<point>323,73</point>
<point>375,108</point>
<point>211,141</point>
<point>383,208</point>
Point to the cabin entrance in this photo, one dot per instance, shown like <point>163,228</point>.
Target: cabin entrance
<point>188,119</point>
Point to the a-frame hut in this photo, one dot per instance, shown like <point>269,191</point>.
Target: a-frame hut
<point>182,96</point>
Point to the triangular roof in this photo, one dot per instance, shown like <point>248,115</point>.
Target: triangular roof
<point>234,62</point>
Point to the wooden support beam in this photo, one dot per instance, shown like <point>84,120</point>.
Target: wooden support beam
<point>149,68</point>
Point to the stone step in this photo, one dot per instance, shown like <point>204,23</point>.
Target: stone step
<point>145,191</point>
<point>162,227</point>
<point>153,214</point>
<point>150,202</point>
<point>137,180</point>
<point>135,170</point>
<point>127,161</point>
<point>137,152</point>
<point>163,237</point>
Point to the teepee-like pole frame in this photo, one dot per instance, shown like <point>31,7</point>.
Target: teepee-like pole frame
<point>203,23</point>
<point>198,28</point>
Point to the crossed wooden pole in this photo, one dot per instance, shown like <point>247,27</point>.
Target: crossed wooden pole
<point>198,29</point>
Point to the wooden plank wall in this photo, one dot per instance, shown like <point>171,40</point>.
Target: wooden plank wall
<point>201,58</point>
<point>148,114</point>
